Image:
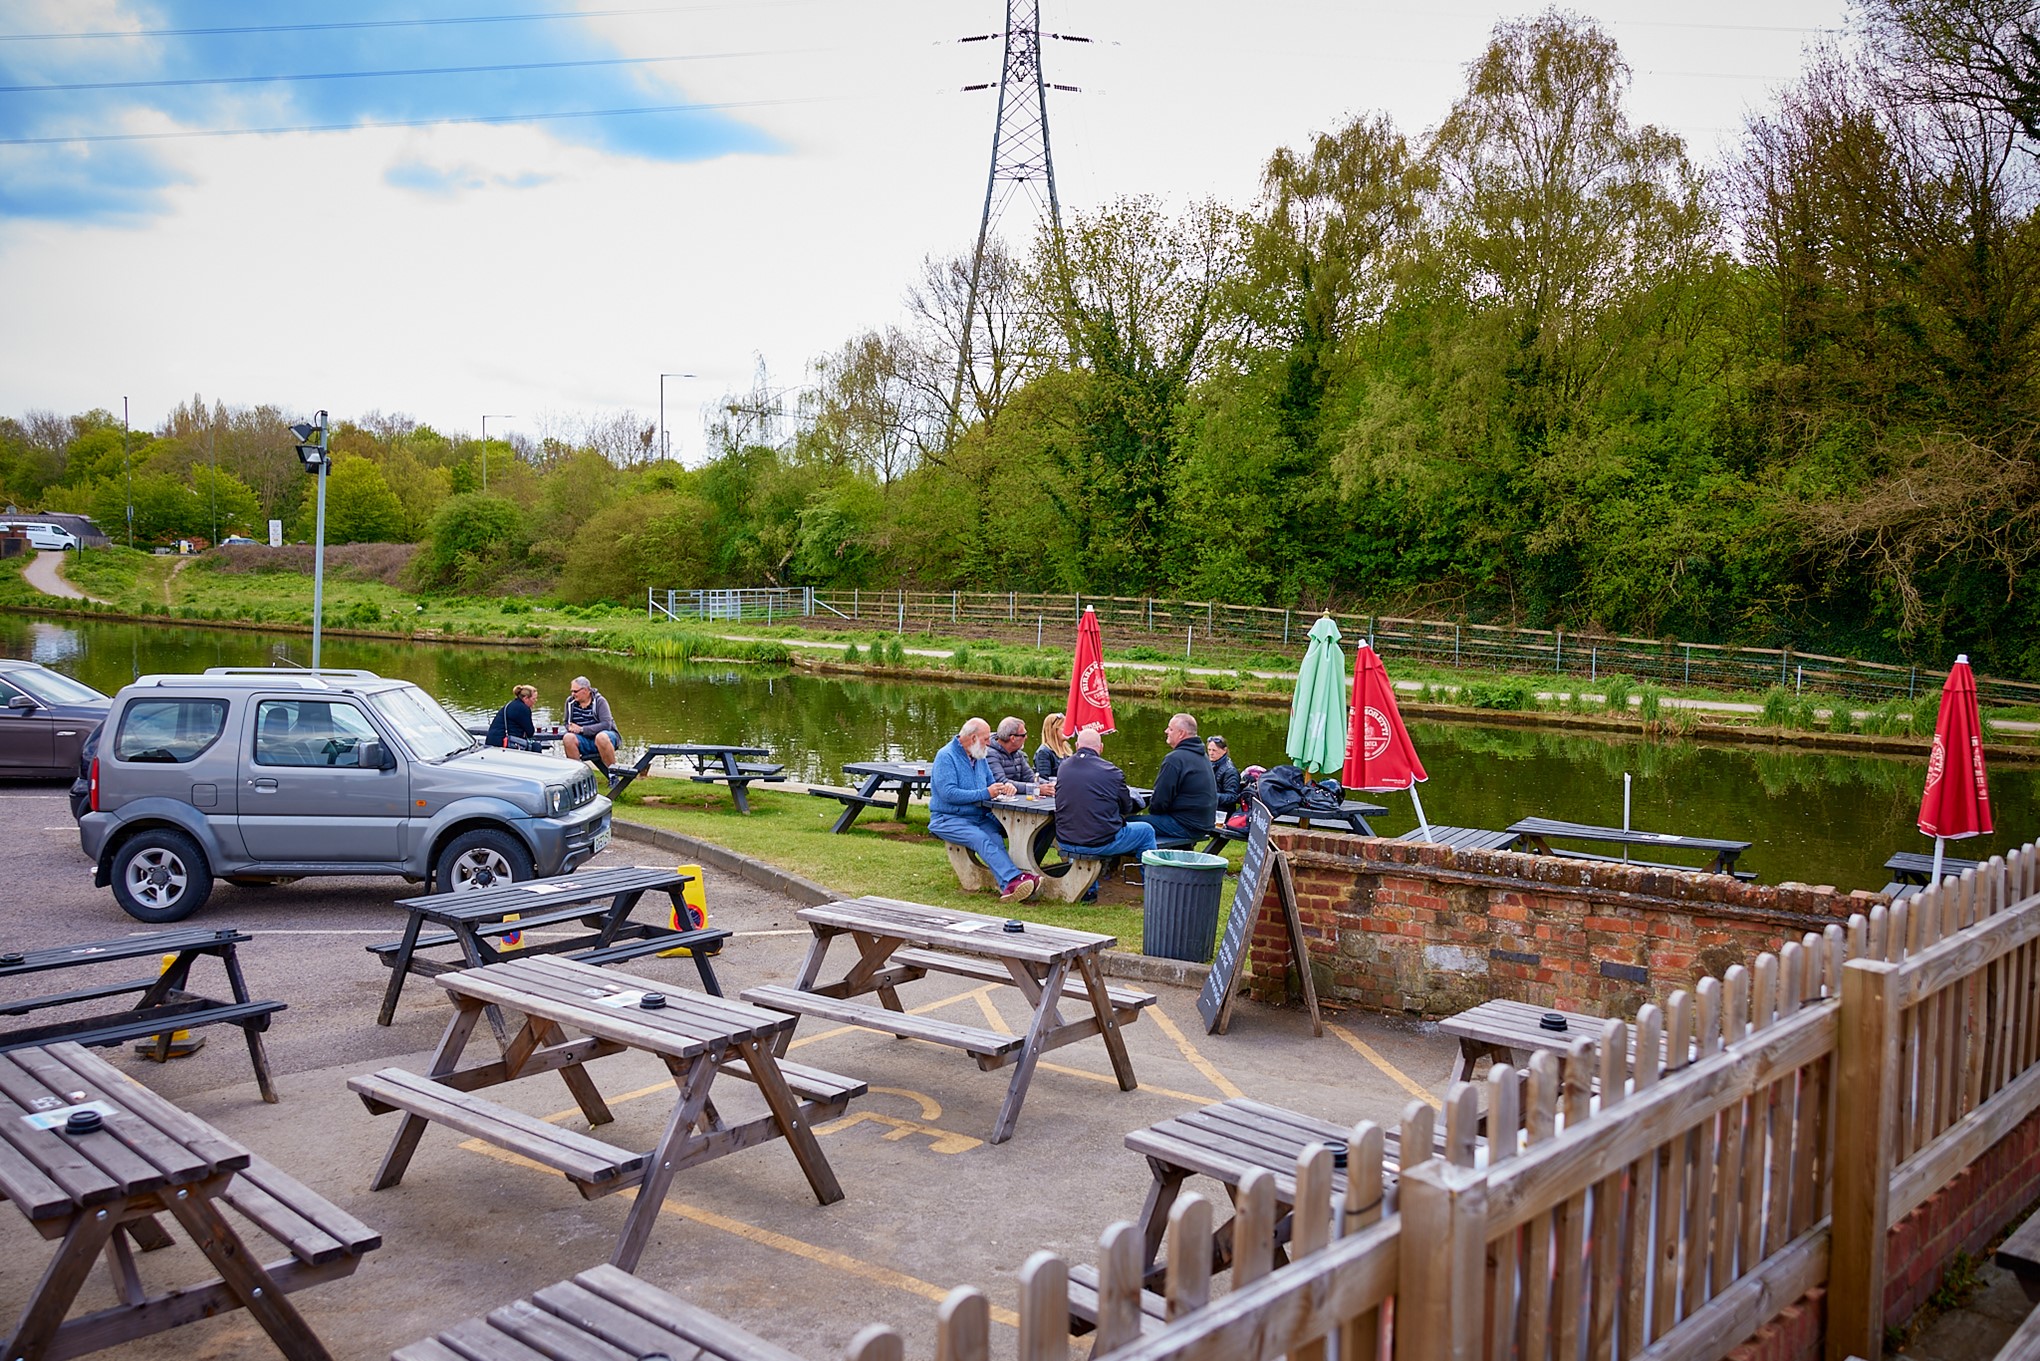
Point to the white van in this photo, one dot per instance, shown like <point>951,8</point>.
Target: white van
<point>42,534</point>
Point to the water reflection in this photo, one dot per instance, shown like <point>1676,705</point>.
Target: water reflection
<point>1817,817</point>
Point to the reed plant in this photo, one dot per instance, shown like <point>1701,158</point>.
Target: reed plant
<point>1615,692</point>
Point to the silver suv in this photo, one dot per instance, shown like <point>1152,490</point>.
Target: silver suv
<point>258,776</point>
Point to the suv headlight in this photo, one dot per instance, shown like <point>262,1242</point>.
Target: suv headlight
<point>555,799</point>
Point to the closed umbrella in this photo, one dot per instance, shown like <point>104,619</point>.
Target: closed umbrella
<point>1317,715</point>
<point>1956,803</point>
<point>1380,758</point>
<point>1089,700</point>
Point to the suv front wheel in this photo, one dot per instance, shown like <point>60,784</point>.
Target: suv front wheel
<point>160,876</point>
<point>480,859</point>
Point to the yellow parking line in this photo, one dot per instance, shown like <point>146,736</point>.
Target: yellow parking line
<point>829,1257</point>
<point>1402,1079</point>
<point>1196,1060</point>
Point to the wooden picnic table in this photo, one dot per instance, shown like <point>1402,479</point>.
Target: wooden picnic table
<point>163,1004</point>
<point>1537,833</point>
<point>100,1191</point>
<point>1352,812</point>
<point>574,1013</point>
<point>476,922</point>
<point>601,1315</point>
<point>2020,1255</point>
<point>1462,838</point>
<point>898,942</point>
<point>1510,1032</point>
<point>714,763</point>
<point>881,784</point>
<point>1917,867</point>
<point>1225,1142</point>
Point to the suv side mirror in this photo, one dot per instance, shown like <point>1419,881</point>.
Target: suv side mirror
<point>373,755</point>
<point>23,704</point>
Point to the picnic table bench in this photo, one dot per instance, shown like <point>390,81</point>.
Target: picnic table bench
<point>91,1160</point>
<point>1462,838</point>
<point>1352,812</point>
<point>1912,871</point>
<point>575,1013</point>
<point>164,1003</point>
<point>476,922</point>
<point>898,942</point>
<point>880,784</point>
<point>603,1314</point>
<point>1537,833</point>
<point>714,763</point>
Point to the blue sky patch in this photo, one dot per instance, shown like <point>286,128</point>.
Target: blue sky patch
<point>211,65</point>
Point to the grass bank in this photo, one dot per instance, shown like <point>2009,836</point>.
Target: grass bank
<point>790,830</point>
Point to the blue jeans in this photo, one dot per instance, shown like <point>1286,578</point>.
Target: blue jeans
<point>572,743</point>
<point>1133,838</point>
<point>981,834</point>
<point>1168,829</point>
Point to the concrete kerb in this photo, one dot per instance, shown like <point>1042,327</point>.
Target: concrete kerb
<point>1118,963</point>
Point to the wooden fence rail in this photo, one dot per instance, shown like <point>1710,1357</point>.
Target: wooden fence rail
<point>1656,1192</point>
<point>1163,624</point>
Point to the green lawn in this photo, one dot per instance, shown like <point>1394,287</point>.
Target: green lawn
<point>877,856</point>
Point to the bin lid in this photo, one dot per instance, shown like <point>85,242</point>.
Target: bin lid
<point>1183,860</point>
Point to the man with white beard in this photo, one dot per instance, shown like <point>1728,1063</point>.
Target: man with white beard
<point>960,791</point>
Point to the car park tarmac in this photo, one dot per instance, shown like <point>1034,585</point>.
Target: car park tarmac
<point>929,1205</point>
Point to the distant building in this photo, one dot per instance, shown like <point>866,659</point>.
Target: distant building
<point>88,533</point>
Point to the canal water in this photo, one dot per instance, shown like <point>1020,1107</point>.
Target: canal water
<point>1815,817</point>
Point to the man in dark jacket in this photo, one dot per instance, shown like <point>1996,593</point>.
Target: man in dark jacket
<point>1184,806</point>
<point>1091,805</point>
<point>1007,758</point>
<point>1224,774</point>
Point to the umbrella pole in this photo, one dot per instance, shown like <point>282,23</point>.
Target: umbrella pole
<point>1422,821</point>
<point>1940,844</point>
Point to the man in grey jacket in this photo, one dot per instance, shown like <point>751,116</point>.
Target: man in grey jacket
<point>591,731</point>
<point>1008,759</point>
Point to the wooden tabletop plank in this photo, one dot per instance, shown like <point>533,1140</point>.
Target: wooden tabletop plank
<point>923,925</point>
<point>560,889</point>
<point>57,1156</point>
<point>696,1325</point>
<point>554,1336</point>
<point>536,990</point>
<point>168,1154</point>
<point>1582,831</point>
<point>110,1150</point>
<point>700,1003</point>
<point>25,1184</point>
<point>614,1324</point>
<point>126,947</point>
<point>681,1028</point>
<point>225,1154</point>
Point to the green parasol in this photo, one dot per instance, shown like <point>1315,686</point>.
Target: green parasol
<point>1317,717</point>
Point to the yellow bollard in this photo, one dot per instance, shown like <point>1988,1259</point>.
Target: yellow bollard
<point>181,1044</point>
<point>511,940</point>
<point>694,895</point>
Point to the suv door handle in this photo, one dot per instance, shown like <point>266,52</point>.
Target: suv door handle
<point>265,785</point>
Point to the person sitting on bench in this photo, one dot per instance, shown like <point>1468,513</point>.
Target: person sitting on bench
<point>511,727</point>
<point>591,731</point>
<point>1092,803</point>
<point>1184,805</point>
<point>959,790</point>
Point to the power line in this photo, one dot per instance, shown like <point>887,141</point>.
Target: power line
<point>392,23</point>
<point>420,122</point>
<point>412,71</point>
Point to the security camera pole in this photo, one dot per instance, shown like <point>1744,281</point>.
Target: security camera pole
<point>311,451</point>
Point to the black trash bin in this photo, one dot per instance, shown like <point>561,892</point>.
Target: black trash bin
<point>1180,904</point>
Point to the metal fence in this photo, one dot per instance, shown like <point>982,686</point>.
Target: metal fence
<point>1024,617</point>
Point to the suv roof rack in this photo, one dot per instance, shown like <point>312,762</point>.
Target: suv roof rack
<point>345,672</point>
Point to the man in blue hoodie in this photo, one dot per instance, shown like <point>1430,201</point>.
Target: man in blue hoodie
<point>960,791</point>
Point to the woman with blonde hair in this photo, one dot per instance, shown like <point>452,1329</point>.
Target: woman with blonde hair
<point>1054,748</point>
<point>511,727</point>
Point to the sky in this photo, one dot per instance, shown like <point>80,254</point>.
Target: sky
<point>530,209</point>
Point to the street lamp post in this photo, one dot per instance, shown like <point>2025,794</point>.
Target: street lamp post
<point>498,415</point>
<point>665,448</point>
<point>311,451</point>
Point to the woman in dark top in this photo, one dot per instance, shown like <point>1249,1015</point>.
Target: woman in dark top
<point>1054,748</point>
<point>1224,774</point>
<point>514,720</point>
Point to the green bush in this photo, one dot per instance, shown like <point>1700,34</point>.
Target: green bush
<point>1839,717</point>
<point>961,658</point>
<point>895,652</point>
<point>1777,711</point>
<point>1650,701</point>
<point>1509,693</point>
<point>363,615</point>
<point>1615,692</point>
<point>851,655</point>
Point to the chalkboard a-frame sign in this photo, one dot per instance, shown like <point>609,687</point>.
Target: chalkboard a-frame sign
<point>1214,1004</point>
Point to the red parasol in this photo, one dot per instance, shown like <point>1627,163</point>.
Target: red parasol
<point>1956,802</point>
<point>1090,701</point>
<point>1379,754</point>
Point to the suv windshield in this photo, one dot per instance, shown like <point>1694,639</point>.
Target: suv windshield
<point>428,730</point>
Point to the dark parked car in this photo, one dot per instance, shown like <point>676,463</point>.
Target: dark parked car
<point>45,717</point>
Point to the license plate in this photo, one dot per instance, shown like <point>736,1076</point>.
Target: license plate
<point>601,840</point>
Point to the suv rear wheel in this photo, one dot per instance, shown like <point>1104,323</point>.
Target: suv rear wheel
<point>480,859</point>
<point>160,875</point>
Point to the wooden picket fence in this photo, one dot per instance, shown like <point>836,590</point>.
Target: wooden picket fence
<point>1671,1185</point>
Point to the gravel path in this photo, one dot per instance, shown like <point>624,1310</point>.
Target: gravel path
<point>44,573</point>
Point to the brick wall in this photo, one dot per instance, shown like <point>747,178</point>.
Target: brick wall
<point>1396,926</point>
